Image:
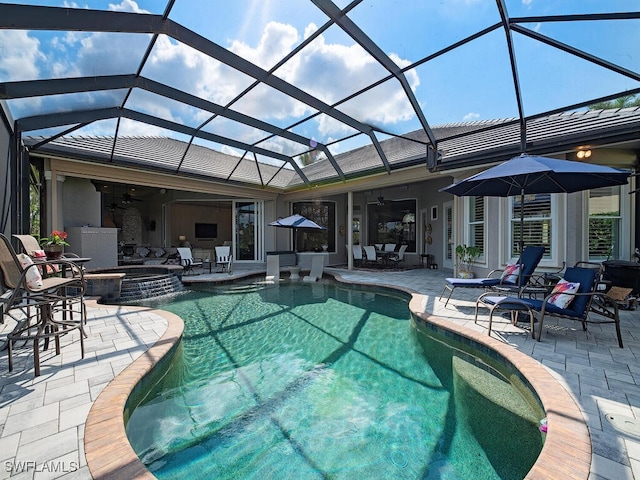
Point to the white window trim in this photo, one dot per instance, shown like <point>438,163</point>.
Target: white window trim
<point>626,230</point>
<point>482,261</point>
<point>558,230</point>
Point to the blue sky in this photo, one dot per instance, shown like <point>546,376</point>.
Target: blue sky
<point>470,83</point>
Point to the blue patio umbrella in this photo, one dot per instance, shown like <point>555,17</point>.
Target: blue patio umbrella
<point>528,174</point>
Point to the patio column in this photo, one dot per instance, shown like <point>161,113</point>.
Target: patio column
<point>349,232</point>
<point>55,220</point>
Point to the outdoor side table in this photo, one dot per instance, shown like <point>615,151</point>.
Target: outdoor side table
<point>295,273</point>
<point>207,263</point>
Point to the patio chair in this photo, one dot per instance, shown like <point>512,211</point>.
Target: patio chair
<point>42,307</point>
<point>187,261</point>
<point>574,297</point>
<point>358,258</point>
<point>317,268</point>
<point>29,243</point>
<point>224,258</point>
<point>273,268</point>
<point>389,247</point>
<point>399,255</point>
<point>370,254</point>
<point>530,259</point>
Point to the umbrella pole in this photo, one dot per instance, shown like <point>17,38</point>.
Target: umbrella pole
<point>521,242</point>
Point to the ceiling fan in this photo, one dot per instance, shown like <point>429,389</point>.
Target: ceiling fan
<point>113,206</point>
<point>127,199</point>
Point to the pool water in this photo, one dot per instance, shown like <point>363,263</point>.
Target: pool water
<point>324,380</point>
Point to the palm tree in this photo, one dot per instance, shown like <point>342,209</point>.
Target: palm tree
<point>620,102</point>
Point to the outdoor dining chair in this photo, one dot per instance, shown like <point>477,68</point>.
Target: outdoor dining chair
<point>43,307</point>
<point>370,254</point>
<point>399,255</point>
<point>358,258</point>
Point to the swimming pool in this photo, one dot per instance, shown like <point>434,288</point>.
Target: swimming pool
<point>313,380</point>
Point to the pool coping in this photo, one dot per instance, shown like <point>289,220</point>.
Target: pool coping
<point>108,452</point>
<point>566,452</point>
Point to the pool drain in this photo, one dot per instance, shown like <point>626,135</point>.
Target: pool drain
<point>399,459</point>
<point>624,423</point>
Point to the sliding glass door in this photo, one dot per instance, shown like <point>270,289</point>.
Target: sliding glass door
<point>248,231</point>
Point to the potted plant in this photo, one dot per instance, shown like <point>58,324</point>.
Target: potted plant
<point>54,244</point>
<point>466,256</point>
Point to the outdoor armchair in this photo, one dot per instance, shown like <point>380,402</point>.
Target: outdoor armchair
<point>187,261</point>
<point>224,258</point>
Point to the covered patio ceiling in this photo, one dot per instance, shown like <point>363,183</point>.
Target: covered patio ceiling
<point>275,85</point>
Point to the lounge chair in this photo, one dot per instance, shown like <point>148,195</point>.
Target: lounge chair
<point>530,259</point>
<point>187,261</point>
<point>42,307</point>
<point>317,267</point>
<point>224,258</point>
<point>273,268</point>
<point>574,297</point>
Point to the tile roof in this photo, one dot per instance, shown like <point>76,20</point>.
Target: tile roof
<point>460,144</point>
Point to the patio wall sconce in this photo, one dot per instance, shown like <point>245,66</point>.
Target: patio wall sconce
<point>583,154</point>
<point>182,238</point>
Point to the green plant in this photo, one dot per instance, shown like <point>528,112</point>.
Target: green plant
<point>466,255</point>
<point>56,238</point>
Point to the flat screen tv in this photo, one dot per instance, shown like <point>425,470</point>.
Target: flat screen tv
<point>206,230</point>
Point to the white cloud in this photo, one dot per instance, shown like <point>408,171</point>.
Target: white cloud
<point>230,151</point>
<point>324,69</point>
<point>470,117</point>
<point>276,41</point>
<point>127,6</point>
<point>19,56</point>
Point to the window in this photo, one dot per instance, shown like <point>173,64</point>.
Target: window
<point>393,222</point>
<point>324,214</point>
<point>476,223</point>
<point>537,222</point>
<point>604,223</point>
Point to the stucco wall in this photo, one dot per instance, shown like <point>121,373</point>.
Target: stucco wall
<point>5,178</point>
